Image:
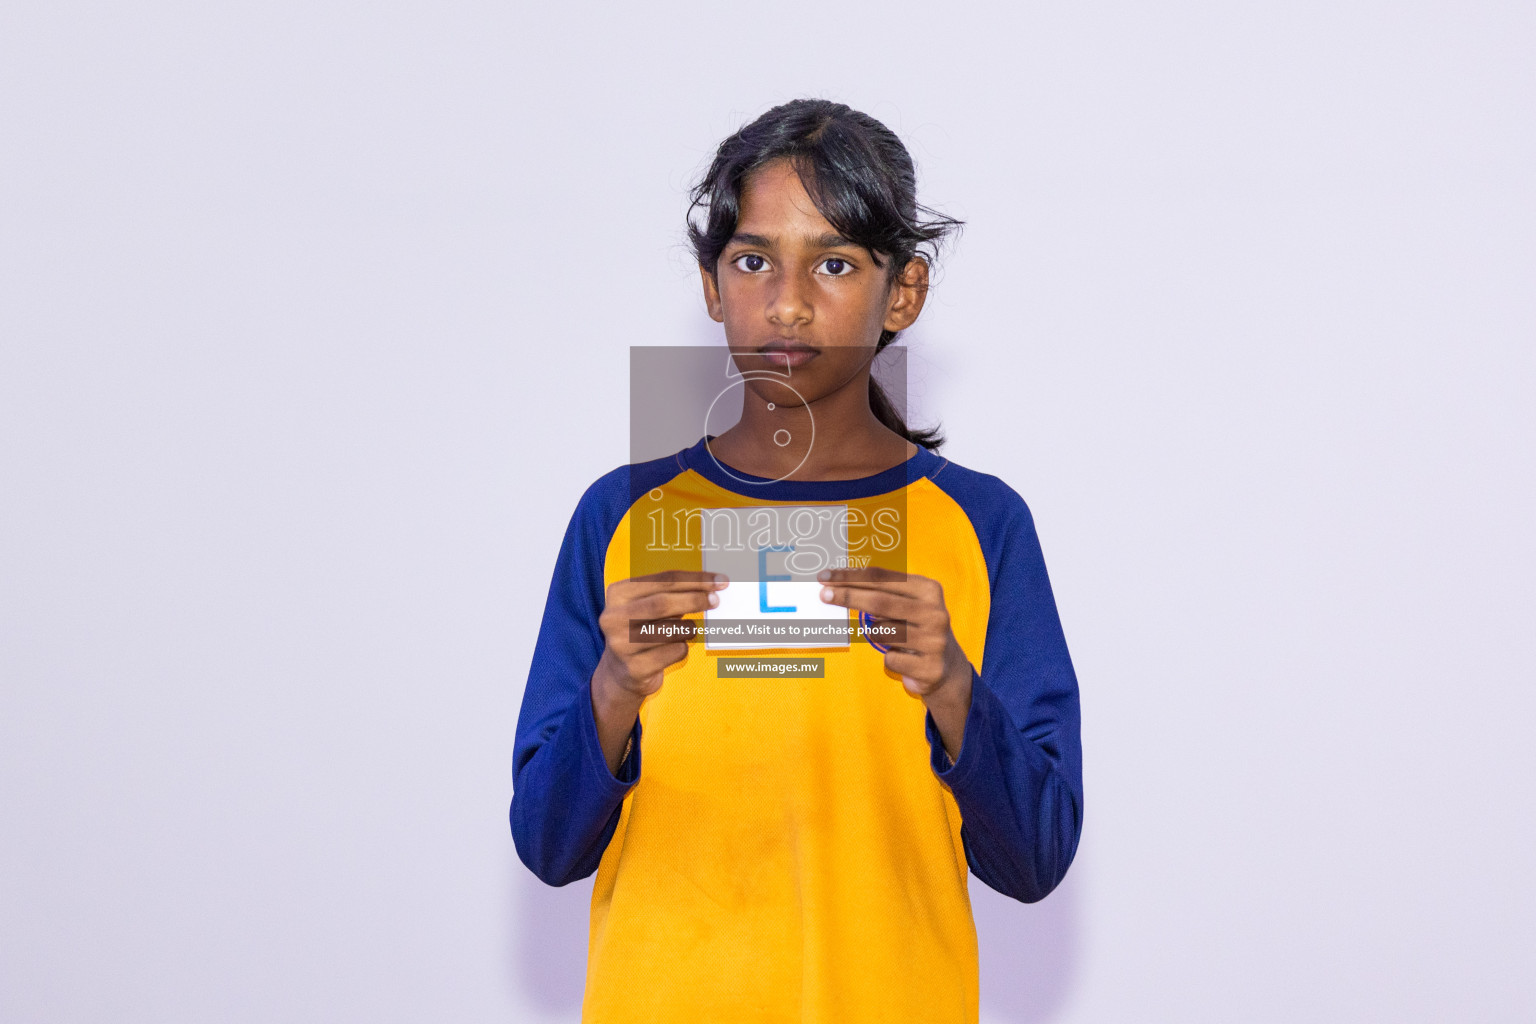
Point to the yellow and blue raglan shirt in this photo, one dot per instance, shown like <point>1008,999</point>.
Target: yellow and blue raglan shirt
<point>796,849</point>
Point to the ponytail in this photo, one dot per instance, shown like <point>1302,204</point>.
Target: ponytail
<point>885,411</point>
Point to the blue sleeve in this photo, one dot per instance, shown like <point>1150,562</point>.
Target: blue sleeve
<point>1019,779</point>
<point>565,801</point>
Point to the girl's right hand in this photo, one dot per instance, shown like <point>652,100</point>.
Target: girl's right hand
<point>633,667</point>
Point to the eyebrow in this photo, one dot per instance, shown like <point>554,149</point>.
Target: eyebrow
<point>824,241</point>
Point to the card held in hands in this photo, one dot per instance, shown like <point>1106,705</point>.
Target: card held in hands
<point>771,555</point>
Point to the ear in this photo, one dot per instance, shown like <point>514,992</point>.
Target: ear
<point>712,295</point>
<point>908,292</point>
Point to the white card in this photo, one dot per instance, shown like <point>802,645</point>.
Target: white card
<point>771,554</point>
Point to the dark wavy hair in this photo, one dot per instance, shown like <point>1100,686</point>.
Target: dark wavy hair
<point>860,177</point>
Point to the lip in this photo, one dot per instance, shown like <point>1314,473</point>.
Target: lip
<point>788,353</point>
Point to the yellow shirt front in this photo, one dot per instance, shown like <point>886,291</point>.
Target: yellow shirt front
<point>784,849</point>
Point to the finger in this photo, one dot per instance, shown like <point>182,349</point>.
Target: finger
<point>648,663</point>
<point>877,602</point>
<point>643,634</point>
<point>665,582</point>
<point>618,622</point>
<point>677,576</point>
<point>925,669</point>
<point>868,574</point>
<point>888,633</point>
<point>897,583</point>
<point>669,605</point>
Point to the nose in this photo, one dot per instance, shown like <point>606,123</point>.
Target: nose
<point>790,304</point>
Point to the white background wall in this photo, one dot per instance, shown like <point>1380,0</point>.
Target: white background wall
<point>313,326</point>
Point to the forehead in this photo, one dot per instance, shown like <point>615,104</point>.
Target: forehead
<point>773,201</point>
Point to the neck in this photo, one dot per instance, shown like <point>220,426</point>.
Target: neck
<point>849,441</point>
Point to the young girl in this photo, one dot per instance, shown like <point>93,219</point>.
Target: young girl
<point>796,849</point>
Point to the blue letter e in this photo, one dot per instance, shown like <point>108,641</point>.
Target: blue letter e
<point>763,579</point>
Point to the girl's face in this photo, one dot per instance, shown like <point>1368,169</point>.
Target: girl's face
<point>796,298</point>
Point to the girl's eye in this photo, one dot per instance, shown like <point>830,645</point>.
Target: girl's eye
<point>835,267</point>
<point>751,262</point>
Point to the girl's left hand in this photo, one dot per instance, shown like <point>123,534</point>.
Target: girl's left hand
<point>929,659</point>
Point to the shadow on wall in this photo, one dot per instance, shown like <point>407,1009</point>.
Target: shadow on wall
<point>549,962</point>
<point>1028,952</point>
